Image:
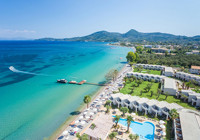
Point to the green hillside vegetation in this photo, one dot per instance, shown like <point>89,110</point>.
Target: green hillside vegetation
<point>131,36</point>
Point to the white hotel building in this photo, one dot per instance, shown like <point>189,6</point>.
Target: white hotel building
<point>144,104</point>
<point>167,71</point>
<point>187,77</point>
<point>168,84</point>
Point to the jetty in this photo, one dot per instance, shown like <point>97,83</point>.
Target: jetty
<point>79,83</point>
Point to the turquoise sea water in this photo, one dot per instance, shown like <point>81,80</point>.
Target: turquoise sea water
<point>34,106</point>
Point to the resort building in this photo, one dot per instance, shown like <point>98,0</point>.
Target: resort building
<point>151,67</point>
<point>187,126</point>
<point>192,97</point>
<point>193,52</point>
<point>160,50</point>
<point>143,104</point>
<point>168,84</point>
<point>195,69</point>
<point>148,46</point>
<point>167,71</point>
<point>103,124</point>
<point>187,77</point>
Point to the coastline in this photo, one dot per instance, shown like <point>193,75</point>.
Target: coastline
<point>82,107</point>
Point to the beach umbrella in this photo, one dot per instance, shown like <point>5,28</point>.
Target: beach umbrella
<point>81,117</point>
<point>66,138</point>
<point>91,113</point>
<point>87,117</point>
<point>82,122</point>
<point>76,121</point>
<point>162,126</point>
<point>85,113</point>
<point>88,109</point>
<point>94,109</point>
<point>75,129</point>
<point>161,122</point>
<point>133,114</point>
<point>65,132</point>
<point>162,133</point>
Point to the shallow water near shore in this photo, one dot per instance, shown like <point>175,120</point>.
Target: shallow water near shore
<point>33,106</point>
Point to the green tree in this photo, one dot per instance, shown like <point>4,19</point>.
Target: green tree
<point>83,137</point>
<point>133,137</point>
<point>111,75</point>
<point>108,109</point>
<point>129,119</point>
<point>152,93</point>
<point>87,100</point>
<point>117,118</point>
<point>158,93</point>
<point>131,57</point>
<point>141,93</point>
<point>166,95</point>
<point>148,87</point>
<point>112,135</point>
<point>124,110</point>
<point>108,102</point>
<point>173,114</point>
<point>139,49</point>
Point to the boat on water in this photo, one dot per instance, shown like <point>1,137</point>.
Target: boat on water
<point>81,82</point>
<point>72,82</point>
<point>62,81</point>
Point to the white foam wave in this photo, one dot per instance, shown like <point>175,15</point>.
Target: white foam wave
<point>13,69</point>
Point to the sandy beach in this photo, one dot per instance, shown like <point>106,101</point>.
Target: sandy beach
<point>82,107</point>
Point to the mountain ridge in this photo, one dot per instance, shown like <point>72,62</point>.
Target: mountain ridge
<point>130,36</point>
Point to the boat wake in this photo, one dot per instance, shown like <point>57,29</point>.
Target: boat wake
<point>13,69</point>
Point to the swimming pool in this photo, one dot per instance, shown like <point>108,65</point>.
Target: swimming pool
<point>145,130</point>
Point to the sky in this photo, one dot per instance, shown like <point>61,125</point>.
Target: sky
<point>31,19</point>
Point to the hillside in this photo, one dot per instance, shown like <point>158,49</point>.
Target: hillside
<point>131,36</point>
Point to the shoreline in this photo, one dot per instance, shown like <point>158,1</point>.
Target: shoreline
<point>82,107</point>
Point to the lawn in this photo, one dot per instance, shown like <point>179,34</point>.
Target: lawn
<point>155,86</point>
<point>155,72</point>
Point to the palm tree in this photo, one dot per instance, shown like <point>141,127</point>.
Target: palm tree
<point>108,109</point>
<point>166,95</point>
<point>133,137</point>
<point>173,114</point>
<point>117,118</point>
<point>141,93</point>
<point>112,135</point>
<point>136,136</point>
<point>158,93</point>
<point>108,102</point>
<point>87,100</point>
<point>115,73</point>
<point>124,110</point>
<point>129,119</point>
<point>152,93</point>
<point>185,97</point>
<point>83,137</point>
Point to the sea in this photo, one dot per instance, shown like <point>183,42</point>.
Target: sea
<point>32,104</point>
